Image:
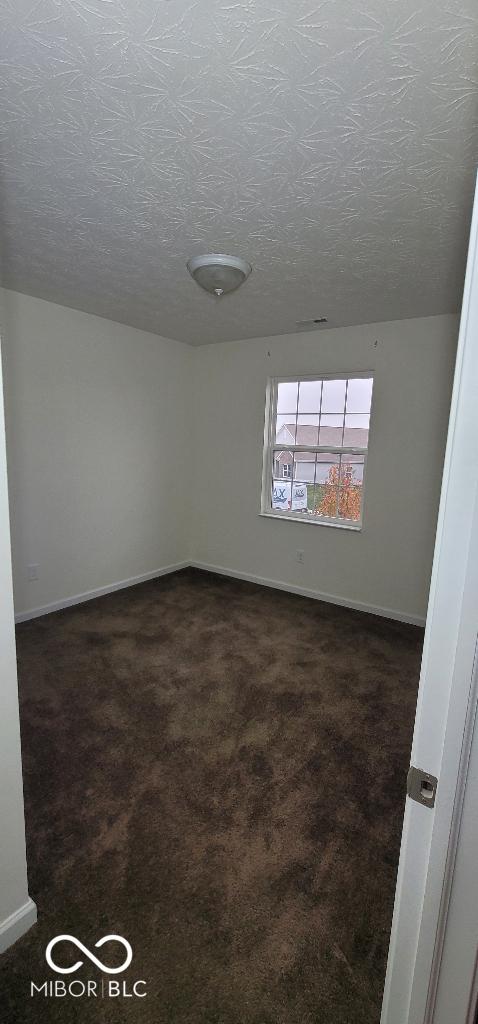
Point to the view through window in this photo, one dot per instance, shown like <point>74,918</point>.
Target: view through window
<point>314,462</point>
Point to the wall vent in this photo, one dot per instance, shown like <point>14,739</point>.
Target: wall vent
<point>315,322</point>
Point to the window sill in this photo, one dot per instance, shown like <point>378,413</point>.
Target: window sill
<point>310,521</point>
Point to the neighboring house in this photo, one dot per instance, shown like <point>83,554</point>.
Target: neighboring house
<point>354,437</point>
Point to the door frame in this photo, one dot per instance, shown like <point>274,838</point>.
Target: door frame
<point>457,981</point>
<point>446,702</point>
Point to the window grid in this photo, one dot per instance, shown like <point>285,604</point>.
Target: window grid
<point>341,483</point>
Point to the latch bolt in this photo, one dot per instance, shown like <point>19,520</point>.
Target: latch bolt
<point>421,786</point>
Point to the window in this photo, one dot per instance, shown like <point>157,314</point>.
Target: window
<point>316,448</point>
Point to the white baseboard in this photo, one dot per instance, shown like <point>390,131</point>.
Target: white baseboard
<point>68,602</point>
<point>14,926</point>
<point>317,595</point>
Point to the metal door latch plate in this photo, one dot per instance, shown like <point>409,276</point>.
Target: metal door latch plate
<point>421,786</point>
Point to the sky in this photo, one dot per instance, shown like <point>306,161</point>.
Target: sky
<point>328,398</point>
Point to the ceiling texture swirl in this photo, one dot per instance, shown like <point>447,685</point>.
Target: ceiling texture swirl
<point>332,144</point>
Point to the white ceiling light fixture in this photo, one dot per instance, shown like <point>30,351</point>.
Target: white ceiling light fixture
<point>217,273</point>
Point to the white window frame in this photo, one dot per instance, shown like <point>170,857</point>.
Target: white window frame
<point>271,447</point>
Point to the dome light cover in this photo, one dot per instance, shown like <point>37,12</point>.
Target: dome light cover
<point>217,273</point>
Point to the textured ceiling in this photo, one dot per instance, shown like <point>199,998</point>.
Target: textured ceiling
<point>331,143</point>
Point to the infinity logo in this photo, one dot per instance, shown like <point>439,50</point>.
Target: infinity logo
<point>89,954</point>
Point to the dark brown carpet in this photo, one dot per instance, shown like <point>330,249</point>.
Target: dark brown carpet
<point>215,771</point>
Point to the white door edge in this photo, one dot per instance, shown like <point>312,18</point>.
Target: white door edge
<point>452,993</point>
<point>442,732</point>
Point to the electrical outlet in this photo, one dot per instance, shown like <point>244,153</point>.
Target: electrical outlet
<point>32,572</point>
<point>299,555</point>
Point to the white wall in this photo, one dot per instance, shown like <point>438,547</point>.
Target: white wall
<point>104,486</point>
<point>387,565</point>
<point>98,441</point>
<point>17,912</point>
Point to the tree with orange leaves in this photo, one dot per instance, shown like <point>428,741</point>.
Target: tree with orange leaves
<point>349,494</point>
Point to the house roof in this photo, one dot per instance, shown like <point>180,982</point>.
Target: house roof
<point>354,437</point>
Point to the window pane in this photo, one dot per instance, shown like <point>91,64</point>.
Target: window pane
<point>350,489</point>
<point>359,394</point>
<point>323,496</point>
<point>351,469</point>
<point>283,462</point>
<point>331,430</point>
<point>288,494</point>
<point>307,429</point>
<point>333,396</point>
<point>281,494</point>
<point>285,429</point>
<point>282,480</point>
<point>333,414</point>
<point>287,397</point>
<point>309,396</point>
<point>356,430</point>
<point>303,478</point>
<point>304,467</point>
